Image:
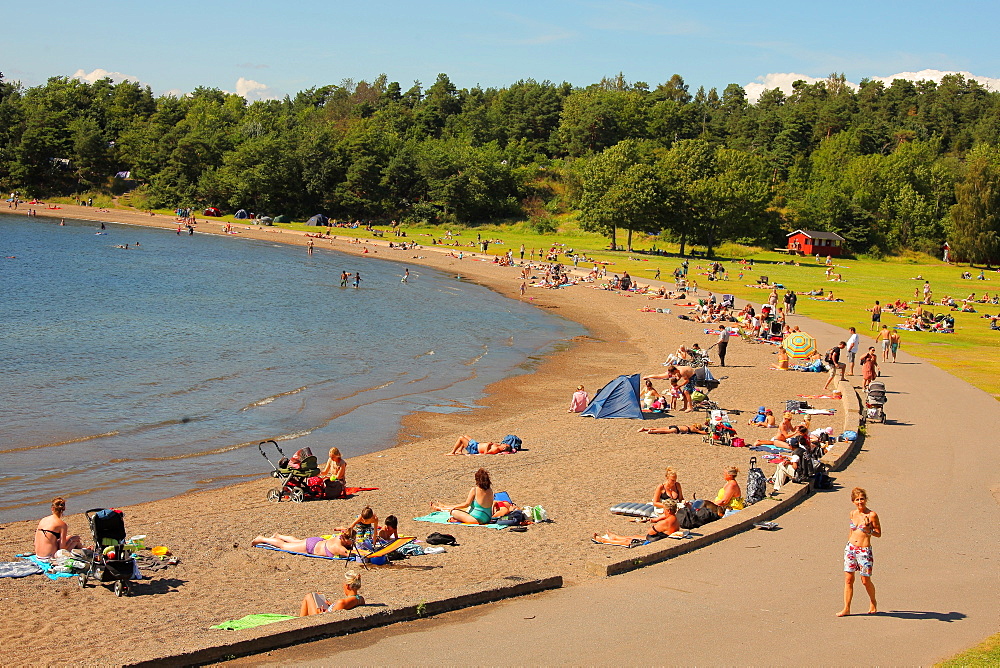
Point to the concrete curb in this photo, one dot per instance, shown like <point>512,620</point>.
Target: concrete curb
<point>851,401</point>
<point>319,626</point>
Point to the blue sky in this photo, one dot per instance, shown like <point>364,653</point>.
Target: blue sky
<point>264,49</point>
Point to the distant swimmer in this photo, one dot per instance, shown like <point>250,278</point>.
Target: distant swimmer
<point>406,277</point>
<point>62,221</point>
<point>102,226</point>
<point>357,279</point>
<point>343,279</point>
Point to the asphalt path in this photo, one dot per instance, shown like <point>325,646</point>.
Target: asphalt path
<point>770,598</point>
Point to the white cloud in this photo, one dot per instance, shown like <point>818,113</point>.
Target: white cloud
<point>100,73</point>
<point>784,81</point>
<point>937,75</point>
<point>254,90</point>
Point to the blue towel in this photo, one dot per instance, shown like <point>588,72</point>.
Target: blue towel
<point>46,567</point>
<point>441,517</point>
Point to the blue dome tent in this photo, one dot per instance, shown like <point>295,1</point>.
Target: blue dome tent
<point>617,399</point>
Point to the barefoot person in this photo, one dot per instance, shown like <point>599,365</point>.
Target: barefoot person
<point>858,557</point>
<point>338,546</point>
<point>668,490</point>
<point>52,533</point>
<point>662,528</point>
<point>675,429</point>
<point>685,377</point>
<point>466,445</point>
<point>478,507</point>
<point>316,603</point>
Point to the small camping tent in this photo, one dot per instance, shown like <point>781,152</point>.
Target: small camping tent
<point>617,399</point>
<point>241,215</point>
<point>318,219</point>
<point>282,219</point>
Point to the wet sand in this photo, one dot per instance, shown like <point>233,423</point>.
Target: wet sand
<point>575,467</point>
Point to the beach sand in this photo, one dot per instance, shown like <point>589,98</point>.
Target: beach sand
<point>575,467</point>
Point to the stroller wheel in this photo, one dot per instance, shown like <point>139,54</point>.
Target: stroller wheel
<point>83,580</point>
<point>297,495</point>
<point>121,589</point>
<point>274,495</point>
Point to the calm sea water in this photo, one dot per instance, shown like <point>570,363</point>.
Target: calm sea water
<point>131,375</point>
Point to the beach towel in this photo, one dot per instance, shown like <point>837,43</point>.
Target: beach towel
<point>366,554</point>
<point>441,517</point>
<point>251,621</point>
<point>817,411</point>
<point>46,567</point>
<point>604,540</point>
<point>18,569</point>
<point>820,396</point>
<point>354,490</point>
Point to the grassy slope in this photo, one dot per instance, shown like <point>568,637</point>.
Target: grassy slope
<point>971,353</point>
<point>987,653</point>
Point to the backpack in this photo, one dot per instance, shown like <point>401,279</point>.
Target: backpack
<point>436,538</point>
<point>756,484</point>
<point>513,441</point>
<point>828,357</point>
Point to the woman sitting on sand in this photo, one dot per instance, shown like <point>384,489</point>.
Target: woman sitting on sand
<point>730,496</point>
<point>649,395</point>
<point>338,546</point>
<point>316,603</point>
<point>668,490</point>
<point>478,507</point>
<point>334,470</point>
<point>52,533</point>
<point>785,429</point>
<point>578,403</point>
<point>662,528</point>
<point>466,445</point>
<point>674,429</point>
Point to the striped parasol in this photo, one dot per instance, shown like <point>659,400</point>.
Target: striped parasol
<point>799,345</point>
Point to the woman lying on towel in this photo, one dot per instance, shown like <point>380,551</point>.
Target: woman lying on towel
<point>478,507</point>
<point>465,445</point>
<point>662,528</point>
<point>338,546</point>
<point>675,429</point>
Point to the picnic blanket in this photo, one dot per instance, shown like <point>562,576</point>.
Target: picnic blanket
<point>366,554</point>
<point>18,569</point>
<point>251,621</point>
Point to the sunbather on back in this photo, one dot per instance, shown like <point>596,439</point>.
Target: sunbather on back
<point>338,546</point>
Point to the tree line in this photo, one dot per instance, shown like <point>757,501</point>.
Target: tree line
<point>901,166</point>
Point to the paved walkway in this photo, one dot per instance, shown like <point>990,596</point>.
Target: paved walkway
<point>933,475</point>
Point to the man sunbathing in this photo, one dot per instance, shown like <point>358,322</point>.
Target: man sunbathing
<point>662,528</point>
<point>674,429</point>
<point>465,445</point>
<point>338,546</point>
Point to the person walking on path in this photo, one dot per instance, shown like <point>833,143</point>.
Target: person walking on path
<point>858,557</point>
<point>722,344</point>
<point>852,349</point>
<point>869,367</point>
<point>883,340</point>
<point>876,315</point>
<point>833,363</point>
<point>894,340</point>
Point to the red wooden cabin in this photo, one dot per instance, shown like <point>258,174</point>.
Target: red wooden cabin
<point>810,242</point>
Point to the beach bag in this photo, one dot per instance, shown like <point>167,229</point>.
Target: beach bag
<point>739,443</point>
<point>849,435</point>
<point>698,397</point>
<point>536,514</point>
<point>756,484</point>
<point>513,441</point>
<point>686,518</point>
<point>821,479</point>
<point>513,518</point>
<point>441,539</point>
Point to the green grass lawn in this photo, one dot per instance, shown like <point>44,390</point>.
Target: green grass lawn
<point>987,653</point>
<point>972,352</point>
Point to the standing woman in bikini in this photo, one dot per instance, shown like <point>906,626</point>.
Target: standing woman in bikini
<point>478,507</point>
<point>52,533</point>
<point>858,557</point>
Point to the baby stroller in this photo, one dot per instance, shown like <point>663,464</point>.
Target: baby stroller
<point>720,429</point>
<point>875,402</point>
<point>299,476</point>
<point>111,560</point>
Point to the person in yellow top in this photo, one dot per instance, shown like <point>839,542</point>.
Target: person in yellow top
<point>730,497</point>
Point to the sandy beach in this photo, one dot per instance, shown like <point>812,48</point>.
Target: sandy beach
<point>575,467</point>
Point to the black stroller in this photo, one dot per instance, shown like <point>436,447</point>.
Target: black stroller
<point>111,561</point>
<point>299,476</point>
<point>875,402</point>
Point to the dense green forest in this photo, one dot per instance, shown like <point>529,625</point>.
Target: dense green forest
<point>904,166</point>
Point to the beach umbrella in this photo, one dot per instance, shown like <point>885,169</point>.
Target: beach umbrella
<point>799,345</point>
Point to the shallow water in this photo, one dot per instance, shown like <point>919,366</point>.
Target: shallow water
<point>131,375</point>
